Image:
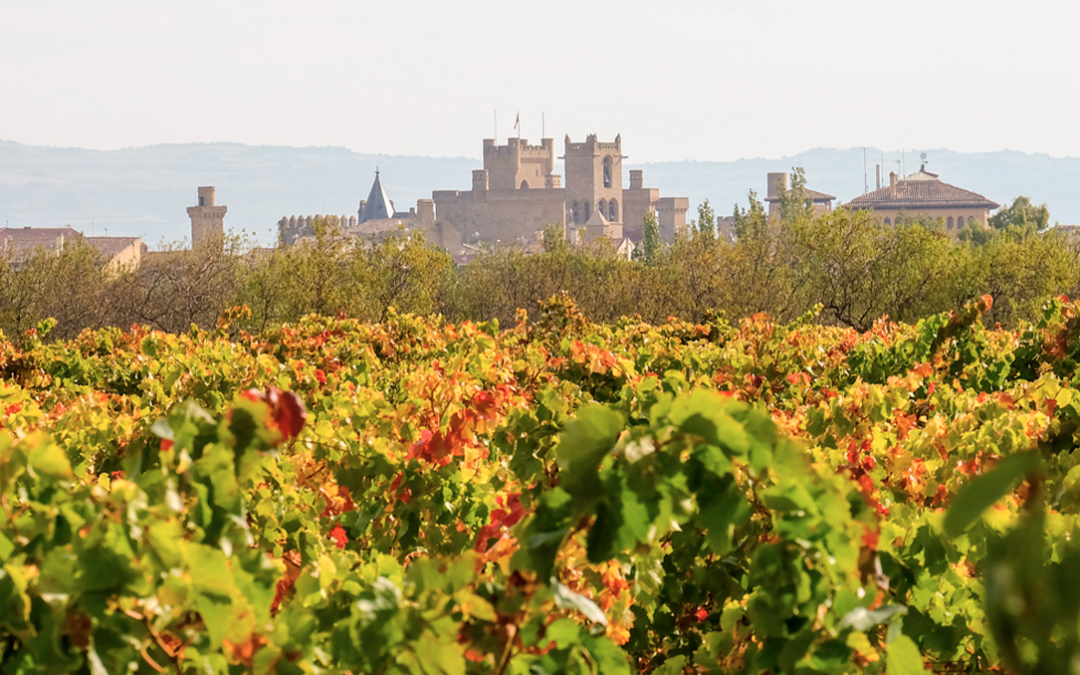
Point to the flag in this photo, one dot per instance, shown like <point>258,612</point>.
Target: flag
<point>517,120</point>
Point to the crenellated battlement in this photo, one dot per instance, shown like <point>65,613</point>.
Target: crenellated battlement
<point>591,144</point>
<point>519,147</point>
<point>291,228</point>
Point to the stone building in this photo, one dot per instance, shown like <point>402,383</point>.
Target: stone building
<point>778,182</point>
<point>923,193</point>
<point>207,219</point>
<point>516,195</point>
<point>18,245</point>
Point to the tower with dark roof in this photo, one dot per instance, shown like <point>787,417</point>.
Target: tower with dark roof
<point>378,205</point>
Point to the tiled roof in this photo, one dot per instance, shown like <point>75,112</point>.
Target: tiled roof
<point>110,247</point>
<point>921,194</point>
<point>23,249</point>
<point>36,233</point>
<point>812,195</point>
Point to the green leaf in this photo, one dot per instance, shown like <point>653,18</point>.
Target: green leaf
<point>981,493</point>
<point>209,570</point>
<point>904,658</point>
<point>585,442</point>
<point>673,666</point>
<point>563,632</point>
<point>48,459</point>
<point>703,413</point>
<point>568,599</point>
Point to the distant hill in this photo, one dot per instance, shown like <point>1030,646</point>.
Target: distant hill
<point>145,191</point>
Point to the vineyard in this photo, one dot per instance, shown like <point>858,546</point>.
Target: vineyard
<point>557,496</point>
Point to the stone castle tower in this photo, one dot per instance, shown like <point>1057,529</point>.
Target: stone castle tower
<point>207,219</point>
<point>594,186</point>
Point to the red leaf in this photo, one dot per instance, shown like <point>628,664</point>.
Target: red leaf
<point>339,536</point>
<point>287,411</point>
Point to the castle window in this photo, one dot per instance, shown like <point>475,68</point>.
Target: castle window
<point>607,172</point>
<point>613,211</point>
<point>601,206</point>
<point>575,213</point>
<point>202,200</point>
<point>888,222</point>
<point>950,223</point>
<point>585,212</point>
<point>524,185</point>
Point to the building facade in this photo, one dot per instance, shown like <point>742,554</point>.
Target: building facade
<point>925,194</point>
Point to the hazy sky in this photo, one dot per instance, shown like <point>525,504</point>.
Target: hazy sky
<point>706,80</point>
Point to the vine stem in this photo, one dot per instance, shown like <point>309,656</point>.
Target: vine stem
<point>511,631</point>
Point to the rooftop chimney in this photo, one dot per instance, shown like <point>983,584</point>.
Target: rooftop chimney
<point>777,182</point>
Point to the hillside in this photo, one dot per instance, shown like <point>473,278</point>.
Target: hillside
<point>144,191</point>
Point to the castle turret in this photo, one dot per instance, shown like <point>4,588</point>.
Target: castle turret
<point>207,219</point>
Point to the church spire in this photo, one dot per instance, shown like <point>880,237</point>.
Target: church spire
<point>378,205</point>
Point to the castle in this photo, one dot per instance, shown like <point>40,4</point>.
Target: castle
<point>517,194</point>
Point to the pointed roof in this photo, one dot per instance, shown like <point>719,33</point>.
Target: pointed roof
<point>921,190</point>
<point>597,218</point>
<point>378,205</point>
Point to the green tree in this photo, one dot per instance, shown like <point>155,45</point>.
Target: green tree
<point>650,248</point>
<point>554,238</point>
<point>1022,214</point>
<point>860,270</point>
<point>794,203</point>
<point>705,225</point>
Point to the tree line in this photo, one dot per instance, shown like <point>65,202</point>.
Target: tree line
<point>844,265</point>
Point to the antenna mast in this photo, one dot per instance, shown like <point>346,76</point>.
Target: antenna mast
<point>865,184</point>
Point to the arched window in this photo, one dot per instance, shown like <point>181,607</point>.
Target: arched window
<point>601,206</point>
<point>585,211</point>
<point>888,222</point>
<point>575,213</point>
<point>607,171</point>
<point>950,223</point>
<point>524,185</point>
<point>613,211</point>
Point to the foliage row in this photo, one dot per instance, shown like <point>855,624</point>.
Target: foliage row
<point>560,496</point>
<point>850,264</point>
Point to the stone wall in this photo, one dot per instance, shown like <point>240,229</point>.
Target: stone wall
<point>508,216</point>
